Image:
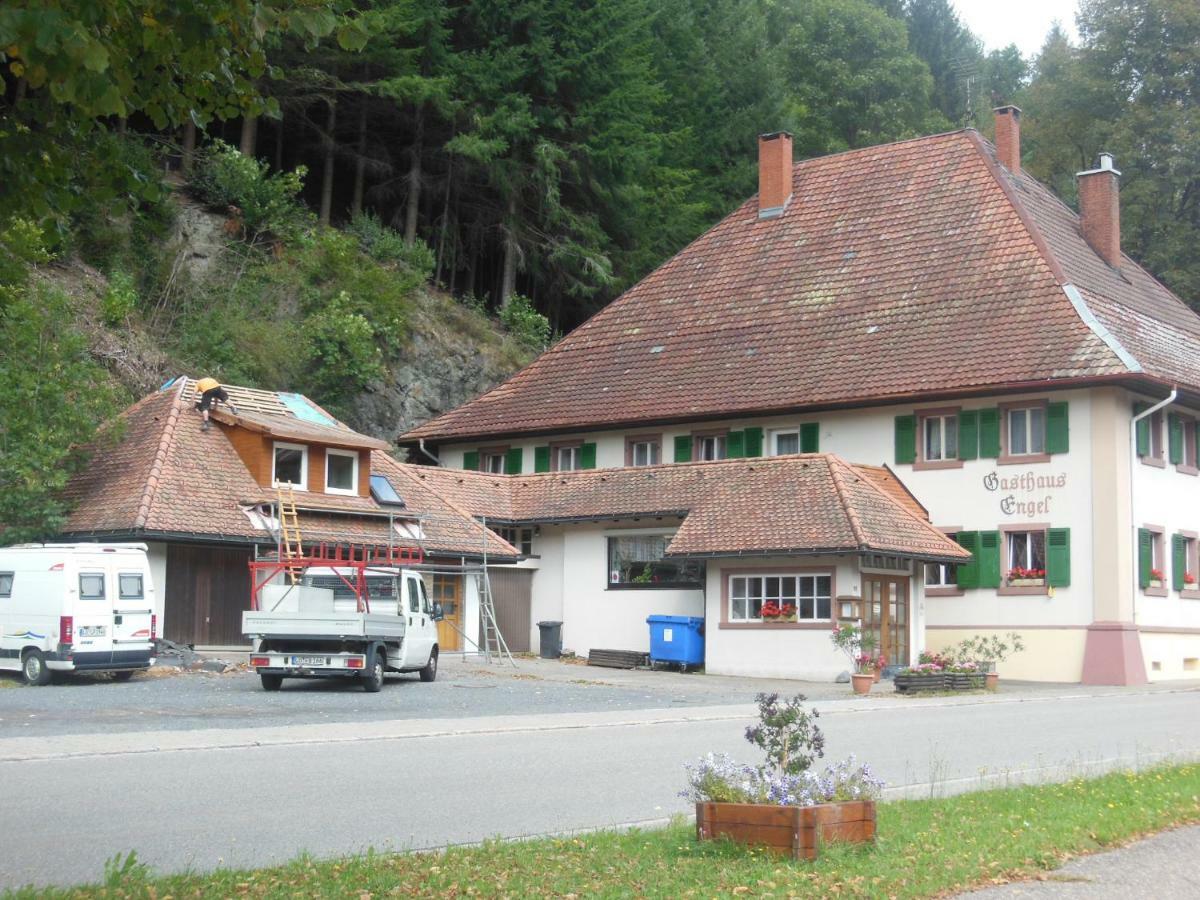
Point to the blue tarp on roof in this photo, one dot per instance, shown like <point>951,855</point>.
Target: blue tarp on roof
<point>299,406</point>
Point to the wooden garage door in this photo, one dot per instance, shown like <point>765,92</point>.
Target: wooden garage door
<point>207,590</point>
<point>511,592</point>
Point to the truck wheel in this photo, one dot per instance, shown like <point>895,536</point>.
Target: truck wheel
<point>33,668</point>
<point>373,677</point>
<point>430,671</point>
<point>123,675</point>
<point>271,681</point>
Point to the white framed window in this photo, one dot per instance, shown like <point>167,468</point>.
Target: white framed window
<point>645,453</point>
<point>492,462</point>
<point>785,443</point>
<point>568,458</point>
<point>939,437</point>
<point>91,585</point>
<point>807,597</point>
<point>711,447</point>
<point>521,538</point>
<point>130,586</point>
<point>341,471</point>
<point>1026,556</point>
<point>940,575</point>
<point>290,465</point>
<point>1026,428</point>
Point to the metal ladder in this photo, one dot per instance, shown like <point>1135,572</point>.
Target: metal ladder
<point>493,640</point>
<point>291,547</point>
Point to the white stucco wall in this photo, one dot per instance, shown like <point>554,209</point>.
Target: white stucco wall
<point>571,586</point>
<point>775,651</point>
<point>156,553</point>
<point>1169,498</point>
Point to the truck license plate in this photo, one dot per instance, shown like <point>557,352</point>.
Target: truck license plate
<point>309,660</point>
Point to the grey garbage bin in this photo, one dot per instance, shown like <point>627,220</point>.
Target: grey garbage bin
<point>550,639</point>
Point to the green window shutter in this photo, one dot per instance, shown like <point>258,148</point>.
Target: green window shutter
<point>1178,561</point>
<point>754,442</point>
<point>810,437</point>
<point>587,456</point>
<point>968,434</point>
<point>967,574</point>
<point>989,433</point>
<point>735,444</point>
<point>1058,557</point>
<point>906,439</point>
<point>1143,431</point>
<point>471,460</point>
<point>1145,556</point>
<point>541,459</point>
<point>989,559</point>
<point>1174,439</point>
<point>683,448</point>
<point>512,461</point>
<point>1058,438</point>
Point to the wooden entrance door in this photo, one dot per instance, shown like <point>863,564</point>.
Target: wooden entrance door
<point>886,615</point>
<point>447,590</point>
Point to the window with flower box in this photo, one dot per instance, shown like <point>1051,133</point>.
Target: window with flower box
<point>1026,558</point>
<point>1151,562</point>
<point>772,598</point>
<point>1185,564</point>
<point>639,561</point>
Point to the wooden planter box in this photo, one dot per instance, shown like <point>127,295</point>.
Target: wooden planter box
<point>965,681</point>
<point>797,831</point>
<point>930,681</point>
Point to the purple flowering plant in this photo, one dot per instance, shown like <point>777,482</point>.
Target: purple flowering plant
<point>789,736</point>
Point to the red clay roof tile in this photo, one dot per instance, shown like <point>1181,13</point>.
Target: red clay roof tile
<point>899,270</point>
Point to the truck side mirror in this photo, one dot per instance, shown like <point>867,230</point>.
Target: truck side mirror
<point>438,614</point>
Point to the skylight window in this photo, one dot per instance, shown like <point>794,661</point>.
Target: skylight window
<point>383,492</point>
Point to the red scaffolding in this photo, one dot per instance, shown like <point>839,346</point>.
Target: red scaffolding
<point>339,557</point>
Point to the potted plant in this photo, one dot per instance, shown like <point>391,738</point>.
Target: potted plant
<point>924,676</point>
<point>1157,578</point>
<point>1022,577</point>
<point>770,611</point>
<point>787,612</point>
<point>1189,581</point>
<point>965,675</point>
<point>849,639</point>
<point>782,804</point>
<point>880,665</point>
<point>988,650</point>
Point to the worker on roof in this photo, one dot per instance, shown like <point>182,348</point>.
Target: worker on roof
<point>211,393</point>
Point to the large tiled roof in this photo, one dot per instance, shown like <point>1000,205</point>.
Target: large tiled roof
<point>801,504</point>
<point>898,271</point>
<point>158,474</point>
<point>291,428</point>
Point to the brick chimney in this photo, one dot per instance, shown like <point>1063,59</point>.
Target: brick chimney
<point>1100,209</point>
<point>774,173</point>
<point>1008,137</point>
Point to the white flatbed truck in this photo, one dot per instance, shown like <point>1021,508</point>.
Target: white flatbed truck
<point>337,622</point>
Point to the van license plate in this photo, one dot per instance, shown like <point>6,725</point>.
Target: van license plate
<point>91,631</point>
<point>309,660</point>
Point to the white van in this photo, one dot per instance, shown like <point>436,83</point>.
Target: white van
<point>76,607</point>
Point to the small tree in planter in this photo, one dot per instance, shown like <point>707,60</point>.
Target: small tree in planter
<point>990,650</point>
<point>783,804</point>
<point>857,645</point>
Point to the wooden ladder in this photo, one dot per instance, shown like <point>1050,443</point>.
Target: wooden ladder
<point>289,528</point>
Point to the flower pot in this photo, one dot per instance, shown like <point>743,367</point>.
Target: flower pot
<point>925,681</point>
<point>796,831</point>
<point>1026,582</point>
<point>992,679</point>
<point>1155,583</point>
<point>875,677</point>
<point>862,682</point>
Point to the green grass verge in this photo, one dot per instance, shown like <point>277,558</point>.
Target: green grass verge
<point>925,848</point>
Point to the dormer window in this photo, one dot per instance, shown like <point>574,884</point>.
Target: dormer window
<point>341,471</point>
<point>290,465</point>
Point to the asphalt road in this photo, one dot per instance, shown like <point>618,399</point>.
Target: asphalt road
<point>221,800</point>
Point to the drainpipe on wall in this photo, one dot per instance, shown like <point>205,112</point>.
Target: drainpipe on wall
<point>1133,457</point>
<point>421,445</point>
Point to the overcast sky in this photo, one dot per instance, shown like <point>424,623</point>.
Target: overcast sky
<point>999,23</point>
